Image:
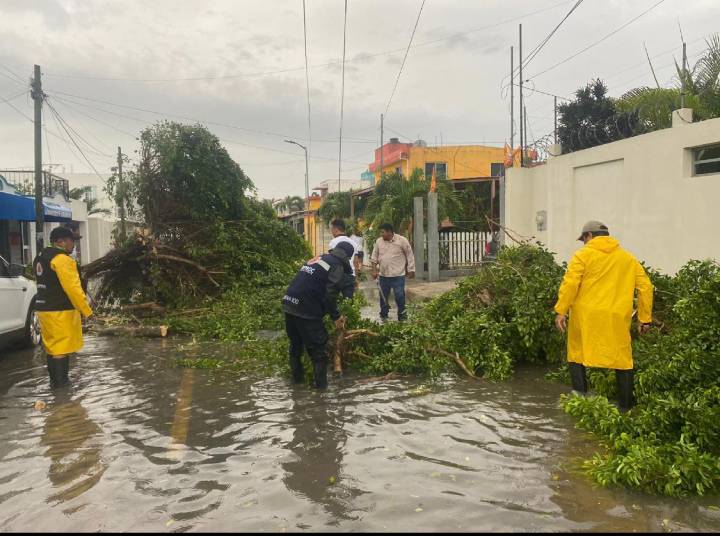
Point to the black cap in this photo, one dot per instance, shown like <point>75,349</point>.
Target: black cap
<point>62,232</point>
<point>345,247</point>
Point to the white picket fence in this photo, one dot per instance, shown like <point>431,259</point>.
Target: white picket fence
<point>462,249</point>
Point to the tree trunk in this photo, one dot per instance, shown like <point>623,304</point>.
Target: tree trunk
<point>131,331</point>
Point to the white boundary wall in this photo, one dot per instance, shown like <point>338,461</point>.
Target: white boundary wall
<point>642,188</point>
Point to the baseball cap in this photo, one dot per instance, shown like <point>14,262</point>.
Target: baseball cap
<point>63,232</point>
<point>593,226</point>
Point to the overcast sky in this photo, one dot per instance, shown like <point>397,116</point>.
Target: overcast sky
<point>249,58</point>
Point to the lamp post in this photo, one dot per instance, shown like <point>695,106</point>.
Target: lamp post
<point>307,183</point>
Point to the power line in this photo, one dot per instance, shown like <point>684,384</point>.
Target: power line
<point>90,146</point>
<point>360,57</point>
<point>397,80</point>
<point>307,76</point>
<point>15,78</point>
<point>342,97</point>
<point>110,125</point>
<point>225,140</point>
<point>18,110</point>
<point>538,48</point>
<point>616,30</point>
<point>62,122</point>
<point>196,120</point>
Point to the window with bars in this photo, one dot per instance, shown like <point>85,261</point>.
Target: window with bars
<point>706,160</point>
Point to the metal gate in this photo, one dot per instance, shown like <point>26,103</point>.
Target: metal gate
<point>462,249</point>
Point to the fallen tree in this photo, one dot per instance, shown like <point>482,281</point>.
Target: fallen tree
<point>204,231</point>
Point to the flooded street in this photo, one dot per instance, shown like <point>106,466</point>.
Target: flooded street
<point>139,445</point>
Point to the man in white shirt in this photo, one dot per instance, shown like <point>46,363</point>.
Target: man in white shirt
<point>337,228</point>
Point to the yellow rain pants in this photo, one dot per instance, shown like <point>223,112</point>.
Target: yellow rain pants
<point>62,330</point>
<point>598,290</point>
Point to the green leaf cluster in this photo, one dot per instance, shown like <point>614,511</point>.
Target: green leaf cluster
<point>670,442</point>
<point>493,320</point>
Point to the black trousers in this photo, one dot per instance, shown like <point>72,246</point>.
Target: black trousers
<point>348,286</point>
<point>310,335</point>
<point>623,378</point>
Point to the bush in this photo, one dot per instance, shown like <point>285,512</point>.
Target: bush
<point>670,442</point>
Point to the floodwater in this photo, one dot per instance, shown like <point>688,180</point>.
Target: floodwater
<point>139,445</point>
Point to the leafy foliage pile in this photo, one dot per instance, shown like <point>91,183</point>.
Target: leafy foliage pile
<point>206,231</point>
<point>670,443</point>
<point>494,319</point>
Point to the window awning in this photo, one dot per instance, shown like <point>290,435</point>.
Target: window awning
<point>22,208</point>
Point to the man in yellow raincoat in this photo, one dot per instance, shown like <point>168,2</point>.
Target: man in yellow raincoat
<point>598,290</point>
<point>60,302</point>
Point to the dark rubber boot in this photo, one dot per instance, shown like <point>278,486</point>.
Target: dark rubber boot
<point>65,369</point>
<point>297,370</point>
<point>58,370</point>
<point>625,380</point>
<point>320,374</point>
<point>578,377</point>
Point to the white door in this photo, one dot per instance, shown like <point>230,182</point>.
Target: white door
<point>12,300</point>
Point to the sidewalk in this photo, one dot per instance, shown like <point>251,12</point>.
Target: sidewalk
<point>416,291</point>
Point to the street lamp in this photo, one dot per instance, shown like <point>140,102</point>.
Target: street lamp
<point>307,183</point>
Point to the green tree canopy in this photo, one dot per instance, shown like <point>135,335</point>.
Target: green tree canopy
<point>185,174</point>
<point>593,119</point>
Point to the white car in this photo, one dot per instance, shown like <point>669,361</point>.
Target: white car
<point>18,319</point>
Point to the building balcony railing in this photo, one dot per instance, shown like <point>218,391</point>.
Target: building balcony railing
<point>24,181</point>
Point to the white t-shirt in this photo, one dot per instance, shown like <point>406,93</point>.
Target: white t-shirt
<point>359,241</point>
<point>342,238</point>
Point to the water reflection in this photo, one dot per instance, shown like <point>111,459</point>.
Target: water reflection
<point>319,443</point>
<point>74,447</point>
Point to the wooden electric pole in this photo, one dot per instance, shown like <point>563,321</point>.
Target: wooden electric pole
<point>382,141</point>
<point>38,96</point>
<point>120,196</point>
<point>523,134</point>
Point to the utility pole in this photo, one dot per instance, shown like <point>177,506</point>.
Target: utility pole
<point>522,127</point>
<point>382,142</point>
<point>684,70</point>
<point>38,96</point>
<point>512,108</point>
<point>121,197</point>
<point>525,128</point>
<point>555,109</point>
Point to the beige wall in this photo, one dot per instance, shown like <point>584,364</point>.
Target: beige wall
<point>642,188</point>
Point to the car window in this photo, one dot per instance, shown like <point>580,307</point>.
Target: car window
<point>4,271</point>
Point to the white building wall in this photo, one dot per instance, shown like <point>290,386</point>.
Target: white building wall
<point>643,188</point>
<point>100,234</point>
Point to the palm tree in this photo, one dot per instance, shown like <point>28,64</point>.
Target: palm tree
<point>702,93</point>
<point>90,203</point>
<point>392,200</point>
<point>704,79</point>
<point>292,203</point>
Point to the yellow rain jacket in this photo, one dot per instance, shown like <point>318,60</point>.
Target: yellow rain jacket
<point>598,290</point>
<point>62,330</point>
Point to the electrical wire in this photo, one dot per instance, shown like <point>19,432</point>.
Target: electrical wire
<point>360,57</point>
<point>407,51</point>
<point>539,47</point>
<point>63,124</point>
<point>616,30</point>
<point>222,139</point>
<point>307,77</point>
<point>196,120</point>
<point>15,78</point>
<point>342,98</point>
